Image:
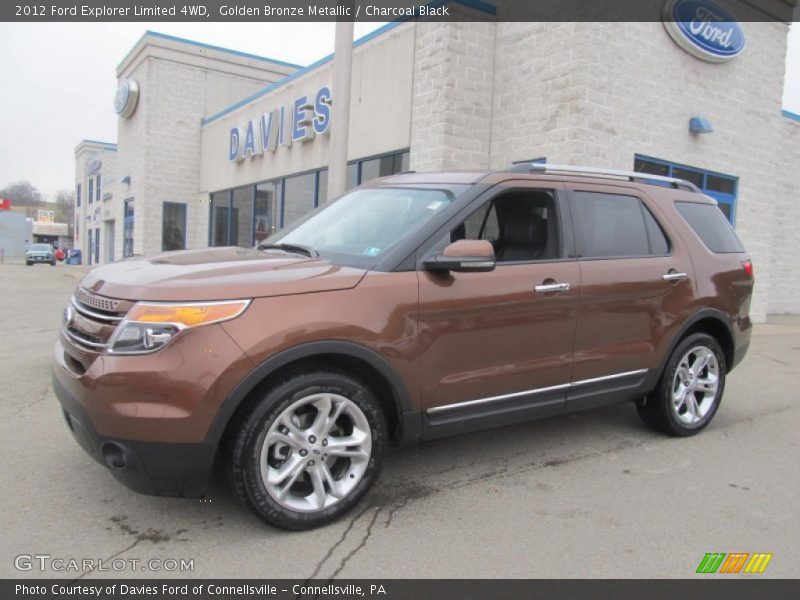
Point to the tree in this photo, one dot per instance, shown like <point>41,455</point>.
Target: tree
<point>22,193</point>
<point>65,206</point>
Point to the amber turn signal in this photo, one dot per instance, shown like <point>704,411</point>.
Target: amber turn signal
<point>187,315</point>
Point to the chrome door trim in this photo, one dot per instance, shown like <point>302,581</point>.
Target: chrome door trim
<point>609,377</point>
<point>535,391</point>
<point>551,287</point>
<point>674,276</point>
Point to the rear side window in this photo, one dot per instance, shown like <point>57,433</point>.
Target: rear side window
<point>612,225</point>
<point>711,226</point>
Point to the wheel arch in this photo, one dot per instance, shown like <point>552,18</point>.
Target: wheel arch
<point>356,359</point>
<point>713,322</point>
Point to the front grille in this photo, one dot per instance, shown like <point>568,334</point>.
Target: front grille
<point>99,302</point>
<point>91,323</point>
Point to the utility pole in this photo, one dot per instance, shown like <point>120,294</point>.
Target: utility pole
<point>340,111</point>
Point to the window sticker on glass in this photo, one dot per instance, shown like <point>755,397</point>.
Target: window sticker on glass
<point>435,205</point>
<point>372,251</point>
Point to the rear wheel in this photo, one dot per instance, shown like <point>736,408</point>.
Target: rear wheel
<point>309,450</point>
<point>690,389</point>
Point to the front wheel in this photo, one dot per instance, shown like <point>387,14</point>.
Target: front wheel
<point>690,389</point>
<point>309,450</point>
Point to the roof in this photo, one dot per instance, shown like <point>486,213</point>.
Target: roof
<point>173,38</point>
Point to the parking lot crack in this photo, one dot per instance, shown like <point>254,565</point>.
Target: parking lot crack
<point>338,543</point>
<point>361,545</point>
<point>110,558</point>
<point>41,398</point>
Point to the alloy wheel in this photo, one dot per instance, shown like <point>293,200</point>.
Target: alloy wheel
<point>695,385</point>
<point>316,452</point>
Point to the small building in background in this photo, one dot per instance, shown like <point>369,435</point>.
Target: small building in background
<point>15,230</point>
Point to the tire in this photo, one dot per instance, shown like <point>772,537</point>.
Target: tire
<point>684,403</point>
<point>292,499</point>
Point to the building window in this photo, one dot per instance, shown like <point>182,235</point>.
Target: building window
<point>723,188</point>
<point>248,215</point>
<point>78,195</point>
<point>220,207</point>
<point>90,195</point>
<point>127,235</point>
<point>97,195</point>
<point>267,197</point>
<point>352,176</point>
<point>173,226</point>
<point>242,217</point>
<point>298,197</point>
<point>383,166</point>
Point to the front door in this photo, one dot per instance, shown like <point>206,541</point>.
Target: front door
<point>628,307</point>
<point>498,346</point>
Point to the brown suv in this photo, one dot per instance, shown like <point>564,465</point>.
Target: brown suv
<point>419,306</point>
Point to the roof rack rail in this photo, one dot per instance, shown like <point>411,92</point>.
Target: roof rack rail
<point>594,171</point>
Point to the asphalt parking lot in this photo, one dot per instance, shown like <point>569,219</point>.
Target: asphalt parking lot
<point>588,495</point>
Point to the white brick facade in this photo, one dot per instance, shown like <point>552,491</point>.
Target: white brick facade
<point>180,82</point>
<point>598,94</point>
<point>475,96</point>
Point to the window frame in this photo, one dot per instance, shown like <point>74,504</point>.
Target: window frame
<point>731,200</point>
<point>185,223</point>
<point>616,191</point>
<point>557,189</point>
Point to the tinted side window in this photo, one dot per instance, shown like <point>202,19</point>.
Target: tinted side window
<point>659,245</point>
<point>609,225</point>
<point>479,225</point>
<point>521,225</point>
<point>711,226</point>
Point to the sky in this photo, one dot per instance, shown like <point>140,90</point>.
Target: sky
<point>57,82</point>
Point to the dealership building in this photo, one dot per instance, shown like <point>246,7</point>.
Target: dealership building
<point>217,147</point>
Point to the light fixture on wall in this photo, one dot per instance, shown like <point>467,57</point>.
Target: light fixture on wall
<point>698,125</point>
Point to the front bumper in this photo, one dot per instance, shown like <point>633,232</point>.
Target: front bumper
<point>154,468</point>
<point>146,418</point>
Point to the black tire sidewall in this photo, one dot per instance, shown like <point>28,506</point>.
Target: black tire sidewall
<point>273,403</point>
<point>665,389</point>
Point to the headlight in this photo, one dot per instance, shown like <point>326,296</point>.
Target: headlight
<point>149,326</point>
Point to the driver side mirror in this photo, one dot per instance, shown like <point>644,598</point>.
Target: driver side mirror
<point>464,256</point>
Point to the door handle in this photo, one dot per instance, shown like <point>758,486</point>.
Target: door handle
<point>674,276</point>
<point>547,288</point>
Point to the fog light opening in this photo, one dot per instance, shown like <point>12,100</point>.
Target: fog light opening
<point>114,456</point>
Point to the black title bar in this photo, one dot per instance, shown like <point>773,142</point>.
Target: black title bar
<point>103,11</point>
<point>703,587</point>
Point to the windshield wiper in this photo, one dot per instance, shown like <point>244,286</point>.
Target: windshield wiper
<point>293,248</point>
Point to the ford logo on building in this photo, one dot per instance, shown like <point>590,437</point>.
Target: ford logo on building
<point>704,29</point>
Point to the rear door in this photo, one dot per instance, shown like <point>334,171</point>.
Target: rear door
<point>635,286</point>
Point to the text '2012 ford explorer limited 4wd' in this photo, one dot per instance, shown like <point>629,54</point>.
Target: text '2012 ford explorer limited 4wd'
<point>419,306</point>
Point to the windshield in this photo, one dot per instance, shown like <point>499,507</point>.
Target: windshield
<point>366,223</point>
<point>41,248</point>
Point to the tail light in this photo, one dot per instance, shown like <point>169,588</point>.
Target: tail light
<point>748,267</point>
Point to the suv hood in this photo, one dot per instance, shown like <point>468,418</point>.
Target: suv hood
<point>218,274</point>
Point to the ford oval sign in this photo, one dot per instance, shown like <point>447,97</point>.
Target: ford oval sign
<point>704,29</point>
